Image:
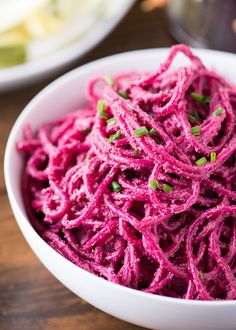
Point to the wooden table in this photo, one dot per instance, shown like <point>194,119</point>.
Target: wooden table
<point>30,297</point>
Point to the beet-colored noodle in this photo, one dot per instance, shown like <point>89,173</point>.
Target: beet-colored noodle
<point>142,190</point>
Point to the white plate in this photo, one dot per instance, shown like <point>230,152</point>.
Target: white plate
<point>28,72</point>
<point>152,311</point>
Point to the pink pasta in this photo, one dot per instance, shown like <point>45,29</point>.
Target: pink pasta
<point>139,187</point>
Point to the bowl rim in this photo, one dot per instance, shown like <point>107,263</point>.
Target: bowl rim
<point>21,219</point>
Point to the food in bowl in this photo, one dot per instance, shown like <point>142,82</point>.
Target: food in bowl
<point>138,186</point>
<point>31,29</point>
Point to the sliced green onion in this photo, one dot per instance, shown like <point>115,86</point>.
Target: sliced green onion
<point>116,187</point>
<point>114,137</point>
<point>218,112</point>
<point>201,275</point>
<point>103,115</point>
<point>152,131</point>
<point>141,131</point>
<point>195,130</point>
<point>108,79</point>
<point>166,187</point>
<point>196,114</point>
<point>101,107</point>
<point>201,161</point>
<point>153,184</point>
<point>201,98</point>
<point>136,152</point>
<point>123,94</point>
<point>87,159</point>
<point>191,118</point>
<point>213,157</point>
<point>111,122</point>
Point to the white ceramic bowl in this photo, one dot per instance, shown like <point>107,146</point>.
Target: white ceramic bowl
<point>151,311</point>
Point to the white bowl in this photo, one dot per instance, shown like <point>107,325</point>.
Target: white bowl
<point>151,311</point>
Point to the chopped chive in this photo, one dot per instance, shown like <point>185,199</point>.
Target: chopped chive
<point>153,184</point>
<point>166,187</point>
<point>123,94</point>
<point>201,98</point>
<point>111,122</point>
<point>116,187</point>
<point>201,161</point>
<point>213,157</point>
<point>101,107</point>
<point>136,152</point>
<point>141,131</point>
<point>87,159</point>
<point>195,130</point>
<point>191,118</point>
<point>103,115</point>
<point>218,112</point>
<point>196,114</point>
<point>201,275</point>
<point>108,79</point>
<point>152,131</point>
<point>114,137</point>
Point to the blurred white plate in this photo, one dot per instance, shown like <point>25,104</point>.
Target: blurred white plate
<point>34,70</point>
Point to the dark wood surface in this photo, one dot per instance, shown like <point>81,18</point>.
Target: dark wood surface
<point>30,297</point>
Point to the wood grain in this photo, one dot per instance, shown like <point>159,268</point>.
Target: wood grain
<point>30,297</point>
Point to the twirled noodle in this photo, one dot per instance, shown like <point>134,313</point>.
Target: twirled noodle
<point>139,186</point>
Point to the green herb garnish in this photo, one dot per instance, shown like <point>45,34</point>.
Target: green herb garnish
<point>213,157</point>
<point>111,122</point>
<point>123,94</point>
<point>101,107</point>
<point>201,276</point>
<point>166,187</point>
<point>201,98</point>
<point>152,131</point>
<point>196,114</point>
<point>153,184</point>
<point>141,131</point>
<point>108,79</point>
<point>195,130</point>
<point>116,187</point>
<point>114,137</point>
<point>201,161</point>
<point>191,118</point>
<point>136,152</point>
<point>217,112</point>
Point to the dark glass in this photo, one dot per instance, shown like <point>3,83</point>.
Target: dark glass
<point>204,23</point>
